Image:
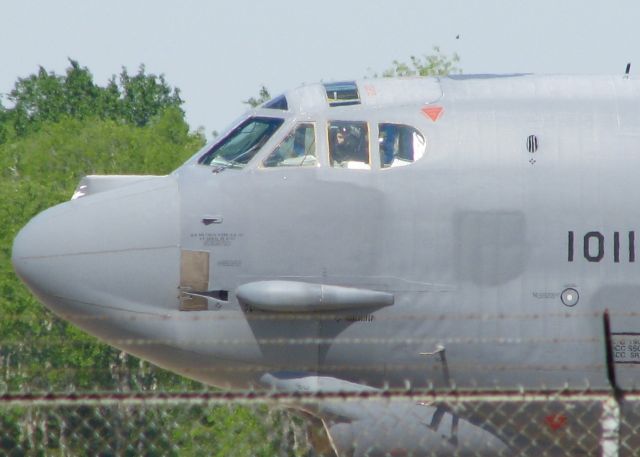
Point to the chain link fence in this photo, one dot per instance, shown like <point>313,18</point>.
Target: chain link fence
<point>62,393</point>
<point>175,428</point>
<point>269,424</point>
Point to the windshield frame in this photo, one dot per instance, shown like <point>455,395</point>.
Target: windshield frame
<point>206,159</point>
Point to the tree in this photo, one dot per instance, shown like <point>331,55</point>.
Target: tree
<point>80,94</point>
<point>59,129</point>
<point>38,351</point>
<point>37,98</point>
<point>144,96</point>
<point>435,64</point>
<point>5,129</point>
<point>47,97</point>
<point>263,96</point>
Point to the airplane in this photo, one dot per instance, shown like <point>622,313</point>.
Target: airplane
<point>470,232</point>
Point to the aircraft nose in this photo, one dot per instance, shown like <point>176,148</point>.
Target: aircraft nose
<point>118,249</point>
<point>22,254</point>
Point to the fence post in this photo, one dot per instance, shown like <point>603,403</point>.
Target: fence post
<point>610,442</point>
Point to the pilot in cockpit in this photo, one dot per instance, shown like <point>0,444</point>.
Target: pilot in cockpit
<point>347,146</point>
<point>344,145</point>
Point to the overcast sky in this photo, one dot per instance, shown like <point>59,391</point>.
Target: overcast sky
<point>220,52</point>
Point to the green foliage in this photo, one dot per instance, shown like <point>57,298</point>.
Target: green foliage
<point>144,96</point>
<point>152,430</point>
<point>435,64</point>
<point>66,150</point>
<point>60,129</point>
<point>47,97</point>
<point>38,171</point>
<point>263,96</point>
<point>229,431</point>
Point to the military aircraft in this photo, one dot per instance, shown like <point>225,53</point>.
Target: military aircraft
<point>476,232</point>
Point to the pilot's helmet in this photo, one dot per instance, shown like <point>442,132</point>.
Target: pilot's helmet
<point>342,134</point>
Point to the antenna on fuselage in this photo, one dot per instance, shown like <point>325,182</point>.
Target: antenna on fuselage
<point>626,72</point>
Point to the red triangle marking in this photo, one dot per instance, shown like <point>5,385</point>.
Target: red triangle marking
<point>433,112</point>
<point>556,421</point>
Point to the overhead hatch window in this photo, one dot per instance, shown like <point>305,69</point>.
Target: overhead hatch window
<point>399,145</point>
<point>242,143</point>
<point>277,103</point>
<point>298,149</point>
<point>342,93</point>
<point>349,144</point>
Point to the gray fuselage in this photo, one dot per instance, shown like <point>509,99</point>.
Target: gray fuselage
<point>501,246</point>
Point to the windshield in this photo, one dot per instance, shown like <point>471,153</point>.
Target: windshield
<point>242,143</point>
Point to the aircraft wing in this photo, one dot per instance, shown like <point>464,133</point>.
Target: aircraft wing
<point>378,426</point>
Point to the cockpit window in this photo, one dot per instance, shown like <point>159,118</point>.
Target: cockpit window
<point>399,145</point>
<point>298,149</point>
<point>349,144</point>
<point>238,147</point>
<point>277,103</point>
<point>342,93</point>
